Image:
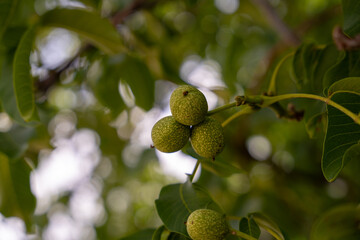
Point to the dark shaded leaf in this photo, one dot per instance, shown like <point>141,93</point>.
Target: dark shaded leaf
<point>338,223</point>
<point>249,226</point>
<point>22,79</point>
<point>14,142</point>
<point>89,25</point>
<point>350,84</point>
<point>135,73</point>
<point>158,233</point>
<point>342,133</point>
<point>268,225</point>
<point>177,201</point>
<point>348,65</point>
<point>7,10</point>
<point>142,235</point>
<point>351,12</point>
<point>16,197</point>
<point>7,94</point>
<point>106,89</point>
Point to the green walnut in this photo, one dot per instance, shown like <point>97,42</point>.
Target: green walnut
<point>207,224</point>
<point>207,138</point>
<point>188,105</point>
<point>168,135</point>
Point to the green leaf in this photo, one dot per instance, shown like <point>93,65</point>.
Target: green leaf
<point>22,79</point>
<point>351,13</point>
<point>158,233</point>
<point>347,65</point>
<point>342,133</point>
<point>16,197</point>
<point>249,226</point>
<point>144,234</point>
<point>351,84</point>
<point>341,222</point>
<point>106,89</point>
<point>14,142</point>
<point>219,166</point>
<point>314,125</point>
<point>7,94</point>
<point>177,201</point>
<point>268,225</point>
<point>89,25</point>
<point>304,62</point>
<point>7,10</point>
<point>176,236</point>
<point>137,75</point>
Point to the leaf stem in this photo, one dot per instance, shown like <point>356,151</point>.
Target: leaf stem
<point>246,110</point>
<point>272,85</point>
<point>222,108</point>
<point>242,235</point>
<point>270,100</point>
<point>195,170</point>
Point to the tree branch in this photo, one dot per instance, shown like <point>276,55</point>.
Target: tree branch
<point>286,34</point>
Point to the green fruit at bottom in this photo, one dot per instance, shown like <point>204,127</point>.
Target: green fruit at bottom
<point>207,138</point>
<point>207,224</point>
<point>188,105</point>
<point>168,135</point>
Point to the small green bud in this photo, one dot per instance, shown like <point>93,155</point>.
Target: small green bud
<point>188,105</point>
<point>207,224</point>
<point>207,138</point>
<point>168,135</point>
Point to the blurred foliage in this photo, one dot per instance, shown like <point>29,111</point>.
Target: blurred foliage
<point>113,65</point>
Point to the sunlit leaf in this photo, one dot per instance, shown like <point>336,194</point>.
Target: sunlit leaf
<point>177,201</point>
<point>249,226</point>
<point>7,10</point>
<point>87,24</point>
<point>16,197</point>
<point>22,79</point>
<point>268,225</point>
<point>341,222</point>
<point>351,12</point>
<point>141,235</point>
<point>342,133</point>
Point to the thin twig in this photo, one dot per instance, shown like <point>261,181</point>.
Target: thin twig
<point>286,34</point>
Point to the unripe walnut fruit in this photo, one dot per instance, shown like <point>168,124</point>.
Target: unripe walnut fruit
<point>168,135</point>
<point>188,105</point>
<point>207,138</point>
<point>207,224</point>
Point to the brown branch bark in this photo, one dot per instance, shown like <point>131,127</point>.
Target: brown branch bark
<point>117,18</point>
